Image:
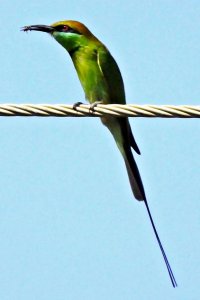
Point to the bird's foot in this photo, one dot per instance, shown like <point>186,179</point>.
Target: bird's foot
<point>77,104</point>
<point>93,105</point>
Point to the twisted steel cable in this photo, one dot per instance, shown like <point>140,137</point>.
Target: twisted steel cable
<point>85,110</point>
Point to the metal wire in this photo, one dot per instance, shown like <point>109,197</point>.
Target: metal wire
<point>85,110</point>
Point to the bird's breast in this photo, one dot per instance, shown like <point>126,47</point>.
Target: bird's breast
<point>91,77</point>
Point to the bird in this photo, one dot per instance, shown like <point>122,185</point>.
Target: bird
<point>102,82</point>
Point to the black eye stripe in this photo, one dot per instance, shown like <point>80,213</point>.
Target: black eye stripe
<point>62,28</point>
<point>65,28</point>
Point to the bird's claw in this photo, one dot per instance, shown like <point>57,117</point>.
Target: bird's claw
<point>93,105</point>
<point>77,104</point>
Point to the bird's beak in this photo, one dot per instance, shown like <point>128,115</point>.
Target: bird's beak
<point>44,28</point>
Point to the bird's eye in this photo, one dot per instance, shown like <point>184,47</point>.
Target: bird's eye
<point>65,28</point>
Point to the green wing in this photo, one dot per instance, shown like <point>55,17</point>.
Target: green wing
<point>120,127</point>
<point>114,82</point>
<point>112,76</point>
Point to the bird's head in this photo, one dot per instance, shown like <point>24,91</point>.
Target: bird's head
<point>70,34</point>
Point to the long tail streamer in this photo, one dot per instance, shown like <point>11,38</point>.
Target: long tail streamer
<point>171,275</point>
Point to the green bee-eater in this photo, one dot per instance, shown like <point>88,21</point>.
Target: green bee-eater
<point>102,82</point>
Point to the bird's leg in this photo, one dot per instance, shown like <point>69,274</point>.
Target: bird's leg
<point>93,105</point>
<point>75,105</point>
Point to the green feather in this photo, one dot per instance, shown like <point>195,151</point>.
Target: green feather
<point>102,81</point>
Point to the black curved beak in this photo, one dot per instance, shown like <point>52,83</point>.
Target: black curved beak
<point>44,28</point>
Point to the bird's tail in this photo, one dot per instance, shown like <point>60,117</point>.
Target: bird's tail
<point>138,191</point>
<point>123,136</point>
<point>133,173</point>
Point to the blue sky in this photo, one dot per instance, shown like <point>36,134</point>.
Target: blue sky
<point>69,225</point>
